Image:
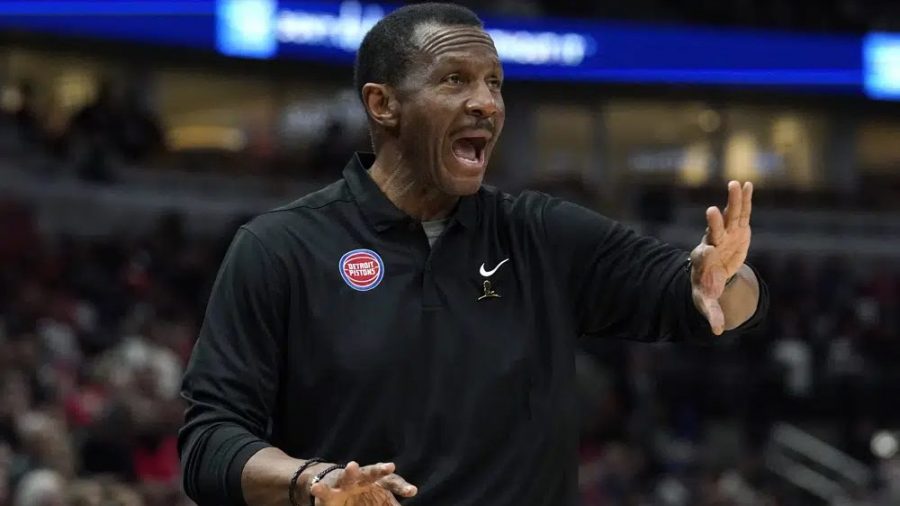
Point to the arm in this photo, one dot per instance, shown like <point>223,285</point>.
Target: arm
<point>619,284</point>
<point>230,384</point>
<point>740,298</point>
<point>231,388</point>
<point>627,286</point>
<point>267,476</point>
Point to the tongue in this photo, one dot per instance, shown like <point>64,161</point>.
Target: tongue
<point>465,150</point>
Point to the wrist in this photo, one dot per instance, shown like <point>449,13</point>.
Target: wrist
<point>319,476</point>
<point>689,267</point>
<point>302,481</point>
<point>731,280</point>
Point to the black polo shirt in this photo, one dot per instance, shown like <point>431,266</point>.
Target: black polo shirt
<point>333,330</point>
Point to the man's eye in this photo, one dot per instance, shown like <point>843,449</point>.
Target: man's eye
<point>495,83</point>
<point>454,79</point>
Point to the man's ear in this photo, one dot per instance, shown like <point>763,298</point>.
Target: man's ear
<point>381,104</point>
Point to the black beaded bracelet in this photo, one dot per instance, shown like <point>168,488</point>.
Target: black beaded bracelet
<point>292,488</point>
<point>318,478</point>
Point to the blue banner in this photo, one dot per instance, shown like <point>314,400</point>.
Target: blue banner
<point>531,49</point>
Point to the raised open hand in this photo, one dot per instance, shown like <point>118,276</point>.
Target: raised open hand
<point>373,485</point>
<point>721,252</point>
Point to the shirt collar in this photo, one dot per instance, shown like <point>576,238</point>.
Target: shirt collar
<point>380,211</point>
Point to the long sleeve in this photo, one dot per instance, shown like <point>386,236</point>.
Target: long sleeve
<point>231,382</point>
<point>624,285</point>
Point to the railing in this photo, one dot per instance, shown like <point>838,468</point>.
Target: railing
<point>859,223</point>
<point>83,208</point>
<point>813,465</point>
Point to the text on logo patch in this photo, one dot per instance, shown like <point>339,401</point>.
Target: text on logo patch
<point>362,269</point>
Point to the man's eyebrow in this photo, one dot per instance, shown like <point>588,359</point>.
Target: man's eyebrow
<point>455,60</point>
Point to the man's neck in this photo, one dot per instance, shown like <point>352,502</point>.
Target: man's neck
<point>407,191</point>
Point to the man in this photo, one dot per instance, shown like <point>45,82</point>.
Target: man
<point>405,321</point>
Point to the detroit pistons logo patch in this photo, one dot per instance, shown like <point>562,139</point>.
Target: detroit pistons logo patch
<point>362,269</point>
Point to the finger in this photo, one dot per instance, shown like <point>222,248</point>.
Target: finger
<point>714,315</point>
<point>715,225</point>
<point>374,472</point>
<point>398,485</point>
<point>716,278</point>
<point>350,476</point>
<point>710,275</point>
<point>733,210</point>
<point>747,204</point>
<point>322,491</point>
<point>708,283</point>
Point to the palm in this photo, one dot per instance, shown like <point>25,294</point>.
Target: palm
<point>371,495</point>
<point>373,485</point>
<point>730,249</point>
<point>722,251</point>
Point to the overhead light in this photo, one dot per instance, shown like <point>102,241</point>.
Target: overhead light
<point>884,444</point>
<point>206,137</point>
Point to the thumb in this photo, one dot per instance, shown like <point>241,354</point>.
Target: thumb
<point>322,492</point>
<point>711,309</point>
<point>398,485</point>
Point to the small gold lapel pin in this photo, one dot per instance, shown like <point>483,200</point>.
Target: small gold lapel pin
<point>489,292</point>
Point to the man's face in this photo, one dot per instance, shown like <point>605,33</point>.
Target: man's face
<point>451,107</point>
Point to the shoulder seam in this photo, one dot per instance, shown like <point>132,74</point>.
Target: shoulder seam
<point>271,254</point>
<point>304,206</point>
<point>258,239</point>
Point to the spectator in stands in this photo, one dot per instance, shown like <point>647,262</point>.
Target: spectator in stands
<point>26,117</point>
<point>115,127</point>
<point>5,462</point>
<point>46,443</point>
<point>139,133</point>
<point>329,152</point>
<point>92,133</point>
<point>41,487</point>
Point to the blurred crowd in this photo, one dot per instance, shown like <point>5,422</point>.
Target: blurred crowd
<point>115,127</point>
<point>679,425</point>
<point>95,333</point>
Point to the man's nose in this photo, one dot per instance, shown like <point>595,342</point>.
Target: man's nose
<point>482,103</point>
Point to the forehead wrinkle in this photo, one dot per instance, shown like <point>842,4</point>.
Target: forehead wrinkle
<point>458,45</point>
<point>434,40</point>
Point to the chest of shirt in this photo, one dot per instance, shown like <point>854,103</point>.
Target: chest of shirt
<point>376,301</point>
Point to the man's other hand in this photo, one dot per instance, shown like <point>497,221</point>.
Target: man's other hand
<point>721,253</point>
<point>373,485</point>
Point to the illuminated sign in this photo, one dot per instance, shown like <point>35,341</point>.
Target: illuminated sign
<point>345,28</point>
<point>556,50</point>
<point>531,49</point>
<point>246,28</point>
<point>881,52</point>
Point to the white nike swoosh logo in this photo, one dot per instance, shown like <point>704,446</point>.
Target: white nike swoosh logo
<point>491,272</point>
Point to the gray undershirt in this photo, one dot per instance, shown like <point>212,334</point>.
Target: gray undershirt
<point>433,229</point>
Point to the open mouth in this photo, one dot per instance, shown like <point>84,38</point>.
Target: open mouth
<point>469,149</point>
